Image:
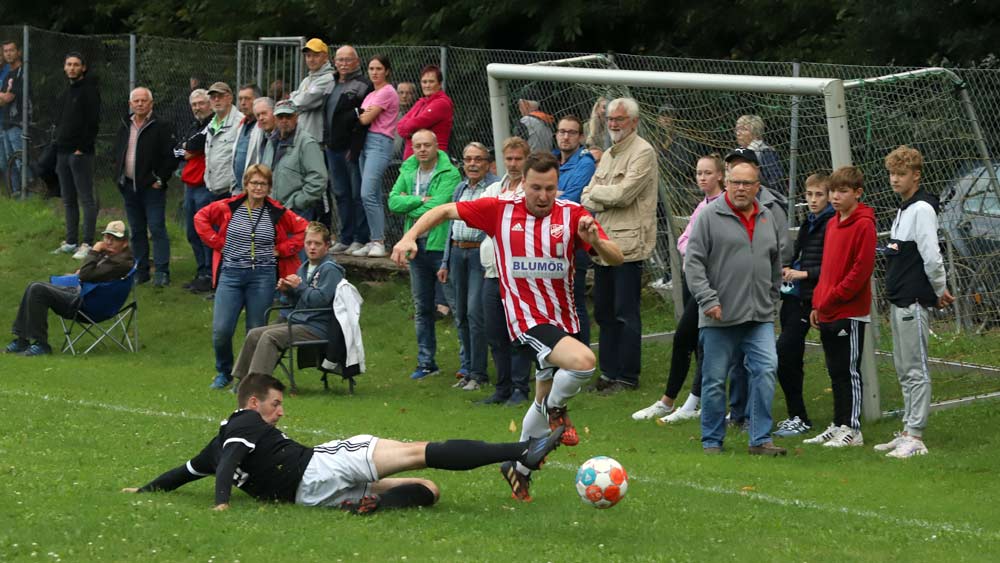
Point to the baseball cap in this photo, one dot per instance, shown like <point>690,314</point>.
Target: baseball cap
<point>285,107</point>
<point>747,155</point>
<point>220,88</point>
<point>116,229</point>
<point>315,45</point>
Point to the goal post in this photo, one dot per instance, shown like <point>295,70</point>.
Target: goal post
<point>830,89</point>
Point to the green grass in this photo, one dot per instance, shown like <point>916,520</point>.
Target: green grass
<point>79,429</point>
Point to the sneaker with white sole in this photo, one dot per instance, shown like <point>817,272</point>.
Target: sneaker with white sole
<point>363,251</point>
<point>792,427</point>
<point>355,246</point>
<point>65,248</point>
<point>679,415</point>
<point>377,250</point>
<point>81,251</point>
<point>845,437</point>
<point>472,385</point>
<point>909,447</point>
<point>823,437</point>
<point>897,440</point>
<point>339,248</point>
<point>656,410</point>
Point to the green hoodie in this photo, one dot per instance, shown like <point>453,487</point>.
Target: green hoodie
<point>442,185</point>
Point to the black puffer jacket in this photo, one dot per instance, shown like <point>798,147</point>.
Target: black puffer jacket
<point>809,250</point>
<point>79,120</point>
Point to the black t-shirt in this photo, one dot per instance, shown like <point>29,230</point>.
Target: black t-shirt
<point>249,453</point>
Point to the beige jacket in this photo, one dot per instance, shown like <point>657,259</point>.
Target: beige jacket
<point>622,196</point>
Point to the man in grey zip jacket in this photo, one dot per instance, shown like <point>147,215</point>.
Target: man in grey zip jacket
<point>219,140</point>
<point>733,267</point>
<point>310,96</point>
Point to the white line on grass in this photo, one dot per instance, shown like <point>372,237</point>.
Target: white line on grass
<point>963,529</point>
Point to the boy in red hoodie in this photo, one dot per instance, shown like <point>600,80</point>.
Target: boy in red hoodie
<point>842,303</point>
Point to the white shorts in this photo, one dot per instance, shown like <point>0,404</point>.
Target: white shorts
<point>338,471</point>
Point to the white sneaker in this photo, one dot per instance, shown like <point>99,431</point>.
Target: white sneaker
<point>339,248</point>
<point>679,415</point>
<point>845,437</point>
<point>377,250</point>
<point>82,251</point>
<point>355,246</point>
<point>823,437</point>
<point>65,248</point>
<point>363,251</point>
<point>656,410</point>
<point>910,447</point>
<point>897,440</point>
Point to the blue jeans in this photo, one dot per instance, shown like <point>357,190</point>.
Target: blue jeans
<point>345,183</point>
<point>76,187</point>
<point>146,209</point>
<point>465,272</point>
<point>11,142</point>
<point>252,288</point>
<point>721,345</point>
<point>582,262</point>
<point>196,197</point>
<point>617,292</point>
<point>423,278</point>
<point>374,159</point>
<point>513,367</point>
<point>738,390</point>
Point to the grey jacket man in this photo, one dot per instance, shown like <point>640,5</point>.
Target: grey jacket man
<point>300,176</point>
<point>723,267</point>
<point>310,98</point>
<point>219,176</point>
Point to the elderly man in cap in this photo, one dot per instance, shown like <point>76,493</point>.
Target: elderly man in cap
<point>107,260</point>
<point>297,163</point>
<point>311,94</point>
<point>220,179</point>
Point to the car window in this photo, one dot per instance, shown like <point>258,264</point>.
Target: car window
<point>982,198</point>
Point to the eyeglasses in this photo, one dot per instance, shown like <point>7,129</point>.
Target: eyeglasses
<point>345,59</point>
<point>567,132</point>
<point>745,184</point>
<point>471,159</point>
<point>258,184</point>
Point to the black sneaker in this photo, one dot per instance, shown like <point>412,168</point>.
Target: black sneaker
<point>201,285</point>
<point>494,399</point>
<point>16,346</point>
<point>519,482</point>
<point>534,456</point>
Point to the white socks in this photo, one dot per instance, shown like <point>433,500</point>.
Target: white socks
<point>691,404</point>
<point>565,385</point>
<point>534,425</point>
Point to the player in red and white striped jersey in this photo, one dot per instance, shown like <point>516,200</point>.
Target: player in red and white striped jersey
<point>535,236</point>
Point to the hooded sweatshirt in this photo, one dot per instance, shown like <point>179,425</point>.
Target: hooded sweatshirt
<point>915,271</point>
<point>79,119</point>
<point>844,290</point>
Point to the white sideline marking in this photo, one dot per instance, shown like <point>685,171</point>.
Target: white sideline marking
<point>964,529</point>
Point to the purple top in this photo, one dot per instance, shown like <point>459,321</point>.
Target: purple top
<point>387,99</point>
<point>682,242</point>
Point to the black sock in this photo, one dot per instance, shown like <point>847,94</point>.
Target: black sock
<point>406,496</point>
<point>460,455</point>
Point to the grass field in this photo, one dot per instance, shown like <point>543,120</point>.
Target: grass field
<point>79,429</point>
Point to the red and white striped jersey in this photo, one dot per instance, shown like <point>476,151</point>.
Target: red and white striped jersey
<point>534,258</point>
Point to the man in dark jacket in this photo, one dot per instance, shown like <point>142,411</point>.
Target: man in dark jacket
<point>144,162</point>
<point>191,149</point>
<point>343,137</point>
<point>76,132</point>
<point>108,260</point>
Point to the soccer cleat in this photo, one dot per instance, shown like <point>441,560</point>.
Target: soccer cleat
<point>81,252</point>
<point>656,410</point>
<point>16,346</point>
<point>823,437</point>
<point>422,372</point>
<point>37,349</point>
<point>534,456</point>
<point>519,482</point>
<point>366,505</point>
<point>679,415</point>
<point>845,437</point>
<point>557,418</point>
<point>910,447</point>
<point>792,427</point>
<point>221,381</point>
<point>897,440</point>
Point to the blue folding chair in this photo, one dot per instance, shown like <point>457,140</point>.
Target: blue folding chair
<point>102,302</point>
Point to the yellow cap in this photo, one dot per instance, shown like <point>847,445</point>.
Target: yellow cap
<point>315,45</point>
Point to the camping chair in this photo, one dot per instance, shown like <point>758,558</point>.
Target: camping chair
<point>307,353</point>
<point>101,302</point>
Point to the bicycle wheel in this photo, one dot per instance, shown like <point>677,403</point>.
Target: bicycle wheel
<point>13,177</point>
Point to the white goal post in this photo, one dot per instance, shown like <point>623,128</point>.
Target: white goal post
<point>831,90</point>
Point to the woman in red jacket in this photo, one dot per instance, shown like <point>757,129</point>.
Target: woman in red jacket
<point>434,111</point>
<point>254,241</point>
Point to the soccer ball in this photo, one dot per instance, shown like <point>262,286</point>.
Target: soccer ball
<point>601,482</point>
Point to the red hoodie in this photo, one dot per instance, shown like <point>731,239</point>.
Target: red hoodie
<point>844,289</point>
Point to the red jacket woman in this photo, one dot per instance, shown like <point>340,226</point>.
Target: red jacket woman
<point>435,111</point>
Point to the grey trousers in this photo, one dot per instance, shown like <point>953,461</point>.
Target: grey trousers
<point>264,345</point>
<point>909,354</point>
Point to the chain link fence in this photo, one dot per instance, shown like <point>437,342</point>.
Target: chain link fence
<point>926,112</point>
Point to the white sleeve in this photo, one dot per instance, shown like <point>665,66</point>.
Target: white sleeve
<point>925,234</point>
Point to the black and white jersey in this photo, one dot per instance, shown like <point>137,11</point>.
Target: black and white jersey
<point>249,453</point>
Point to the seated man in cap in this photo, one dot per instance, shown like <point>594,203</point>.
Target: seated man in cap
<point>107,260</point>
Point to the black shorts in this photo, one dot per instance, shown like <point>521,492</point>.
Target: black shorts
<point>542,339</point>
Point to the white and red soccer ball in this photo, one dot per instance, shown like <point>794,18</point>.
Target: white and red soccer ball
<point>601,482</point>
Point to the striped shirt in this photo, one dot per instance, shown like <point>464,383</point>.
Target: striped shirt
<point>248,232</point>
<point>535,259</point>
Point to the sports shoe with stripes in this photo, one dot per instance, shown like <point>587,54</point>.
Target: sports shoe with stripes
<point>519,482</point>
<point>557,418</point>
<point>823,437</point>
<point>910,447</point>
<point>538,448</point>
<point>845,437</point>
<point>897,440</point>
<point>792,427</point>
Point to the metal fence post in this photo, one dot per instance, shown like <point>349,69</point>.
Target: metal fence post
<point>444,65</point>
<point>25,96</point>
<point>131,62</point>
<point>260,65</point>
<point>239,62</point>
<point>793,153</point>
